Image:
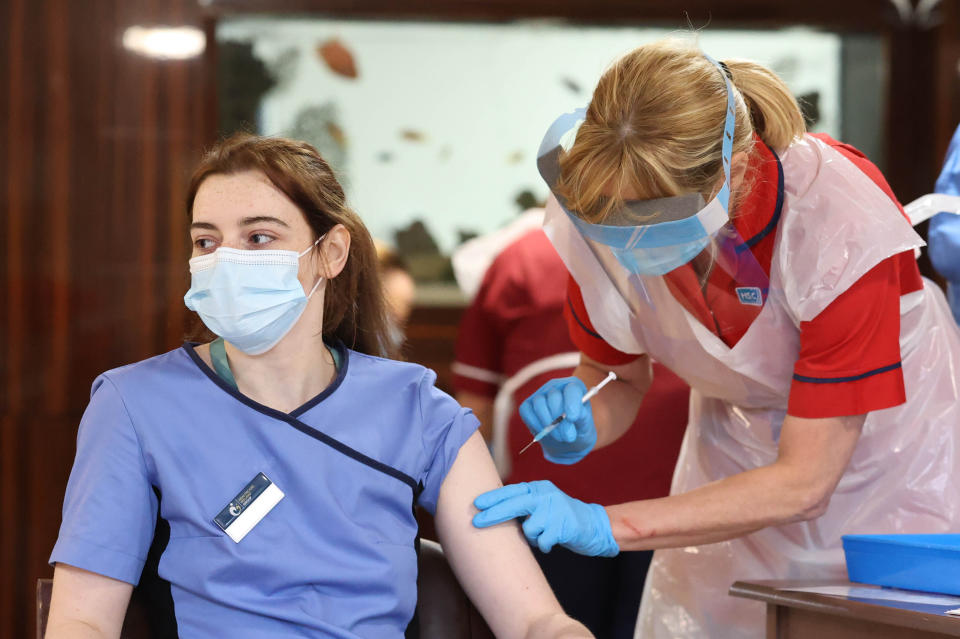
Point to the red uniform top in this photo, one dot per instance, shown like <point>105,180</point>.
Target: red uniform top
<point>849,361</point>
<point>517,318</point>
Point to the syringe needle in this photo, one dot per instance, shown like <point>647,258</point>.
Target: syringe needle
<point>586,398</point>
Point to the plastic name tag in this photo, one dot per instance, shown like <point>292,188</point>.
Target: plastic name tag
<point>249,506</point>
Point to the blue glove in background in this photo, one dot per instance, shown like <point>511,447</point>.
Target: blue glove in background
<point>943,236</point>
<point>576,435</point>
<point>552,518</point>
<point>943,240</point>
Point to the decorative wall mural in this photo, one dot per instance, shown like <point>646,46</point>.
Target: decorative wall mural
<point>317,124</point>
<point>338,58</point>
<point>242,82</point>
<point>434,126</point>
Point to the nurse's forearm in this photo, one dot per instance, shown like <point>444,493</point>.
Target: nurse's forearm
<point>616,406</point>
<point>716,512</point>
<point>797,487</point>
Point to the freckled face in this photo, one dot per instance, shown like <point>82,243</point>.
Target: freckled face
<point>246,211</point>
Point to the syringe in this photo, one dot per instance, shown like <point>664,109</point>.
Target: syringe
<point>586,398</point>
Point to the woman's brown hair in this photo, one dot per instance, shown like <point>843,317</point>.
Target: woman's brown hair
<point>353,307</point>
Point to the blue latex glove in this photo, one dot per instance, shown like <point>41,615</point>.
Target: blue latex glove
<point>943,236</point>
<point>552,518</point>
<point>576,435</point>
<point>943,241</point>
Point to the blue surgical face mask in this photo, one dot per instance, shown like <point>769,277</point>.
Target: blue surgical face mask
<point>661,260</point>
<point>249,298</point>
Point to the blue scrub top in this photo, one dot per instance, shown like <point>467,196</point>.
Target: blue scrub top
<point>943,236</point>
<point>166,444</point>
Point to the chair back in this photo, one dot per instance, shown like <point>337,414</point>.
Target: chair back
<point>44,590</point>
<point>442,606</point>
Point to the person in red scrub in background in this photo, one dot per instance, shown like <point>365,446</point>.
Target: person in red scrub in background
<point>519,316</point>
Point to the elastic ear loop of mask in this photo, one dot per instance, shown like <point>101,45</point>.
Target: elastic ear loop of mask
<point>726,145</point>
<point>321,278</point>
<point>311,247</point>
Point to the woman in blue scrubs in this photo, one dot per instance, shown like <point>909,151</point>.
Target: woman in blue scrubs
<point>267,479</point>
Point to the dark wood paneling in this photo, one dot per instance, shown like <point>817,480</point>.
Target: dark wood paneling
<point>911,99</point>
<point>946,116</point>
<point>861,15</point>
<point>431,337</point>
<point>97,146</point>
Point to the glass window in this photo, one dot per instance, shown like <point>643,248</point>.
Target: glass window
<point>433,126</point>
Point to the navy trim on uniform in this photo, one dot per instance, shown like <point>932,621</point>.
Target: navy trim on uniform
<point>350,452</point>
<point>837,380</point>
<point>777,209</point>
<point>291,418</point>
<point>582,325</point>
<point>413,627</point>
<point>341,374</point>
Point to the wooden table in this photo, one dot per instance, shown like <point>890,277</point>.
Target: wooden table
<point>793,614</point>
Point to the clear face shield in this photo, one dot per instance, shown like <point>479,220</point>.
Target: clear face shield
<point>654,237</point>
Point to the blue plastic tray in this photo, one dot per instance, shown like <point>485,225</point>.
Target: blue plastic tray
<point>930,563</point>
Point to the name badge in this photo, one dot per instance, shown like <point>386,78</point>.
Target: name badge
<point>249,506</point>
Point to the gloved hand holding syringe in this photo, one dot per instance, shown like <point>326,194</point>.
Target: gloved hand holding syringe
<point>556,422</point>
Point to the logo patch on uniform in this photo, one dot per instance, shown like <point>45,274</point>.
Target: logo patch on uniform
<point>249,506</point>
<point>750,295</point>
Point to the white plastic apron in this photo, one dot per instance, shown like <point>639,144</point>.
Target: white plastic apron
<point>836,224</point>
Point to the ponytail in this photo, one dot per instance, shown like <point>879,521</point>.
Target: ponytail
<point>774,112</point>
<point>655,125</point>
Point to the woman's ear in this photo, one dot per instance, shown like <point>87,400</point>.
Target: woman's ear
<point>334,249</point>
<point>738,169</point>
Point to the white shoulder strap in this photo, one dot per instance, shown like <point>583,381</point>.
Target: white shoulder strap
<point>926,206</point>
<point>504,403</point>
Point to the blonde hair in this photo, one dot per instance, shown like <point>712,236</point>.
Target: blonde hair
<point>655,123</point>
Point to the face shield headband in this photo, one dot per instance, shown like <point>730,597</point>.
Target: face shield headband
<point>689,226</point>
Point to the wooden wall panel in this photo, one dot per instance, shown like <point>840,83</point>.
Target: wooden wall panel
<point>97,146</point>
<point>946,66</point>
<point>431,337</point>
<point>855,14</point>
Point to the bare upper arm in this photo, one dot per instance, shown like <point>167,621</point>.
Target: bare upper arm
<point>494,565</point>
<point>85,604</point>
<point>638,373</point>
<point>817,451</point>
<point>616,408</point>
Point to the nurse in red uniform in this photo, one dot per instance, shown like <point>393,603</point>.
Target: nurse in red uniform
<point>774,272</point>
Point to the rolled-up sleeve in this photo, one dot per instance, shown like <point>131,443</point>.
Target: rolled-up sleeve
<point>446,427</point>
<point>849,361</point>
<point>584,336</point>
